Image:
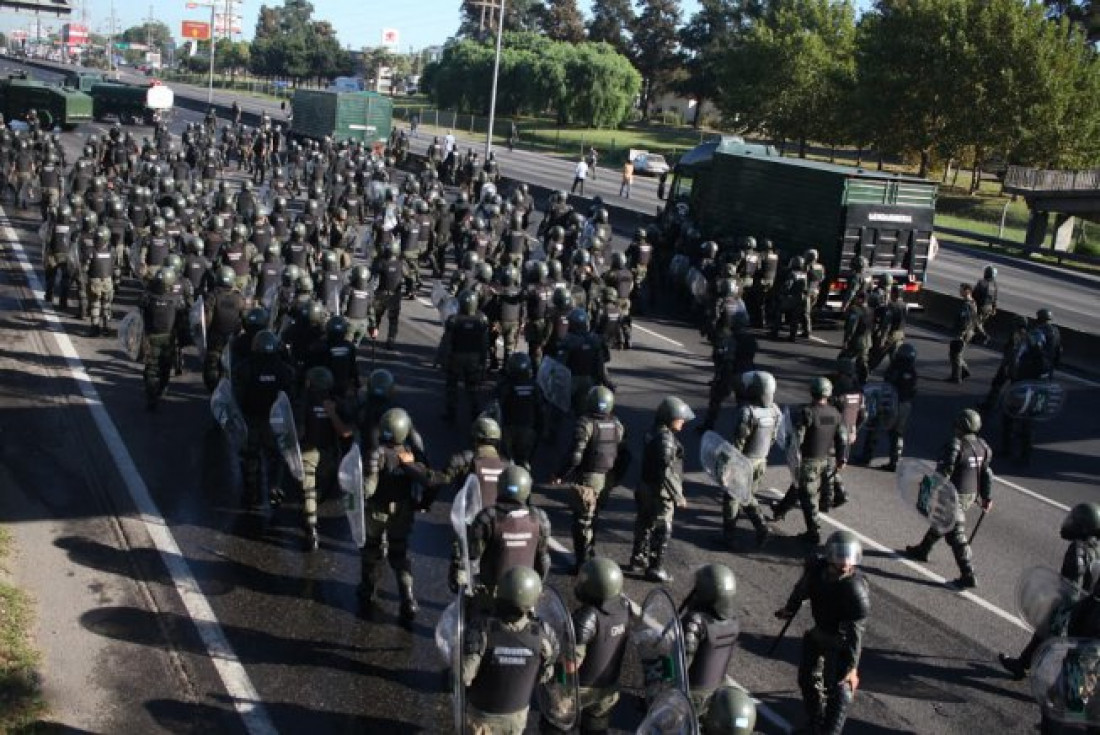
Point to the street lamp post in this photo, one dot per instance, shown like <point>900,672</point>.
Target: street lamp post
<point>496,73</point>
<point>212,4</point>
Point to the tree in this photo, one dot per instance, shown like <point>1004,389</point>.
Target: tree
<point>787,78</point>
<point>289,43</point>
<point>1083,13</point>
<point>231,56</point>
<point>478,17</point>
<point>562,21</point>
<point>706,39</point>
<point>154,34</point>
<point>655,44</point>
<point>612,22</point>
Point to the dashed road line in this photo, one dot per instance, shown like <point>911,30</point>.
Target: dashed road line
<point>245,698</point>
<point>658,335</point>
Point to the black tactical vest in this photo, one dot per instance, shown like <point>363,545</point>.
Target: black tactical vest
<point>102,265</point>
<point>514,543</point>
<point>821,431</point>
<point>508,672</point>
<point>358,306</point>
<point>467,334</point>
<point>160,314</point>
<point>487,470</point>
<point>603,656</point>
<point>967,473</point>
<point>518,406</point>
<point>603,447</point>
<point>712,658</point>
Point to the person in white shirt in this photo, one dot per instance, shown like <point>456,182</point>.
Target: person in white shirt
<point>579,176</point>
<point>448,143</point>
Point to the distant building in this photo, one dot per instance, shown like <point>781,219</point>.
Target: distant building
<point>682,107</point>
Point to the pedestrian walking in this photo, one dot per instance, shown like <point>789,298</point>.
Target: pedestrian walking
<point>628,179</point>
<point>579,176</point>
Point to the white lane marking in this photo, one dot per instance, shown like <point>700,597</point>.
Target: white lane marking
<point>245,698</point>
<point>1079,379</point>
<point>424,302</point>
<point>819,340</point>
<point>559,547</point>
<point>1032,494</point>
<point>650,332</point>
<point>928,574</point>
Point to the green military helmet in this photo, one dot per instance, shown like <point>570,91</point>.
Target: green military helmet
<point>336,330</point>
<point>519,590</point>
<point>672,409</point>
<point>600,400</point>
<point>380,383</point>
<point>173,261</point>
<point>1082,522</point>
<point>610,295</point>
<point>394,426</point>
<point>514,483</point>
<point>726,287</point>
<point>319,379</point>
<point>968,421</point>
<point>715,588</point>
<point>360,275</point>
<point>163,281</point>
<point>1044,315</point>
<point>811,256</point>
<point>618,261</point>
<point>519,366</point>
<point>508,276</point>
<point>317,314</point>
<point>485,430</point>
<point>256,319</point>
<point>763,387</point>
<point>821,387</point>
<point>731,712</point>
<point>226,277</point>
<point>329,260</point>
<point>470,260</point>
<point>467,302</point>
<point>600,580</point>
<point>485,273</point>
<point>907,353</point>
<point>842,547</point>
<point>562,299</point>
<point>102,235</point>
<point>640,234</point>
<point>265,342</point>
<point>990,273</point>
<point>748,243</point>
<point>304,284</point>
<point>291,275</point>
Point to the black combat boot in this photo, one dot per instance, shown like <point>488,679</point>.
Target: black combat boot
<point>1014,666</point>
<point>920,551</point>
<point>658,544</point>
<point>409,606</point>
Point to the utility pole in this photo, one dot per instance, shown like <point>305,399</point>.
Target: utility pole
<point>493,94</point>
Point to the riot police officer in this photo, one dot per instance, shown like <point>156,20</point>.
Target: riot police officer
<point>223,308</point>
<point>859,325</point>
<point>520,409</point>
<point>639,254</point>
<point>818,427</point>
<point>387,297</point>
<point>391,475</point>
<point>840,601</point>
<point>963,330</point>
<point>1081,527</point>
<point>510,532</point>
<point>464,352</point>
<point>323,424</point>
<point>758,422</point>
<point>594,463</point>
<point>601,624</point>
<point>710,632</point>
<point>790,299</point>
<point>902,374</point>
<point>505,655</point>
<point>965,462</point>
<point>101,267</point>
<point>661,490</point>
<point>585,354</point>
<point>889,328</point>
<point>848,399</point>
<point>160,309</point>
<point>985,298</point>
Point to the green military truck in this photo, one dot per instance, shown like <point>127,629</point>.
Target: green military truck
<point>727,188</point>
<point>365,116</point>
<point>53,105</point>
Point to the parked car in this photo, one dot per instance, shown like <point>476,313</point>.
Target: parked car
<point>649,164</point>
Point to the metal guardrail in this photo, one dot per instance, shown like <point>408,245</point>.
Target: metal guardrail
<point>1023,178</point>
<point>1001,243</point>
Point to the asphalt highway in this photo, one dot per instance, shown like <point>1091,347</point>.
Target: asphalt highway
<point>183,613</point>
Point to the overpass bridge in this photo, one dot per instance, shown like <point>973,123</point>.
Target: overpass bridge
<point>1065,194</point>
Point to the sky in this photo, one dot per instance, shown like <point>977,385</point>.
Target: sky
<point>358,23</point>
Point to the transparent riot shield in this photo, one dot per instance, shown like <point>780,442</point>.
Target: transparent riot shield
<point>678,268</point>
<point>881,400</point>
<point>228,415</point>
<point>131,334</point>
<point>286,435</point>
<point>1065,680</point>
<point>351,482</point>
<point>697,286</point>
<point>448,641</point>
<point>227,356</point>
<point>444,303</point>
<point>269,301</point>
<point>466,505</point>
<point>787,438</point>
<point>670,714</point>
<point>659,640</point>
<point>133,255</point>
<point>559,698</point>
<point>929,493</point>
<point>196,319</point>
<point>556,383</point>
<point>1036,400</point>
<point>726,466</point>
<point>1044,600</point>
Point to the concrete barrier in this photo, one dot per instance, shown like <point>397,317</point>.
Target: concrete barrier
<point>1080,351</point>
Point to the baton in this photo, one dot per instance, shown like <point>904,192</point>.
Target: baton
<point>782,632</point>
<point>977,526</point>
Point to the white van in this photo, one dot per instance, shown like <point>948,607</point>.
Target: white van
<point>346,84</point>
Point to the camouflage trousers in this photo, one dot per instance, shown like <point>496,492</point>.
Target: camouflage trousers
<point>483,723</point>
<point>159,354</point>
<point>591,495</point>
<point>320,466</point>
<point>732,508</point>
<point>101,294</point>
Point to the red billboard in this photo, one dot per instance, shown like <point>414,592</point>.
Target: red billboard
<point>196,30</point>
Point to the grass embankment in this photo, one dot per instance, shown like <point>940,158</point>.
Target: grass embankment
<point>21,702</point>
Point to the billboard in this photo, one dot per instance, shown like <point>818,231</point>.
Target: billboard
<point>196,30</point>
<point>222,27</point>
<point>74,34</point>
<point>390,37</point>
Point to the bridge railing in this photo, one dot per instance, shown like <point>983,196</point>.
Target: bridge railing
<point>1012,247</point>
<point>1023,178</point>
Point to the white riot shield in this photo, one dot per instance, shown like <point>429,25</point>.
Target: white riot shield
<point>131,334</point>
<point>1044,600</point>
<point>670,714</point>
<point>228,414</point>
<point>881,401</point>
<point>726,466</point>
<point>466,505</point>
<point>659,639</point>
<point>197,321</point>
<point>559,698</point>
<point>928,492</point>
<point>448,641</point>
<point>351,482</point>
<point>286,435</point>
<point>1036,400</point>
<point>488,191</point>
<point>1065,681</point>
<point>556,383</point>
